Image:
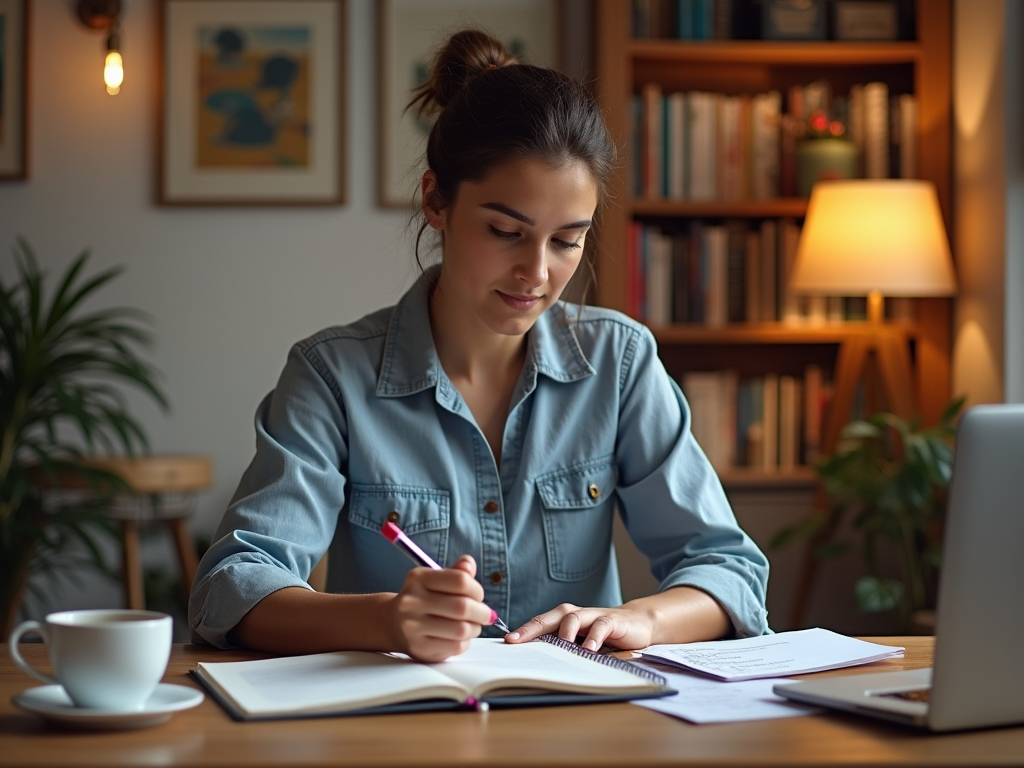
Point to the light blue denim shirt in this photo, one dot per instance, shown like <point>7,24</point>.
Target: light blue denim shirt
<point>364,424</point>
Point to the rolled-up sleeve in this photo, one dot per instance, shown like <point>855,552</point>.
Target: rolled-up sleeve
<point>672,502</point>
<point>283,516</point>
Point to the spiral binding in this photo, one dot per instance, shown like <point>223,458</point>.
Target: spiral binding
<point>608,661</point>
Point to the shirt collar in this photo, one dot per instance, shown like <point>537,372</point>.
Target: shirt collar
<point>410,361</point>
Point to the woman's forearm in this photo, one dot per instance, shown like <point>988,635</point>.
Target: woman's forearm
<point>683,615</point>
<point>296,620</point>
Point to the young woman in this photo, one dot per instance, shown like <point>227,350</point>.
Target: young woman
<point>498,426</point>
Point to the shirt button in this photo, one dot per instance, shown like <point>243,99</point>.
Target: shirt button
<point>491,506</point>
<point>394,517</point>
<point>496,577</point>
<point>594,491</point>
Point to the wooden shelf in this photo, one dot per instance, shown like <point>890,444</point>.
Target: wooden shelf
<point>775,53</point>
<point>769,333</point>
<point>795,207</point>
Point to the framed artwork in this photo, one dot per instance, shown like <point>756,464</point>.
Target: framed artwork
<point>13,88</point>
<point>252,110</point>
<point>410,31</point>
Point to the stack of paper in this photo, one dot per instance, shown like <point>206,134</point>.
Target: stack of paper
<point>785,653</point>
<point>731,680</point>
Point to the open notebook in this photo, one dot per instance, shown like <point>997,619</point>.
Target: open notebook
<point>361,682</point>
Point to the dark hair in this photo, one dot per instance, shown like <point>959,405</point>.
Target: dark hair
<point>490,110</point>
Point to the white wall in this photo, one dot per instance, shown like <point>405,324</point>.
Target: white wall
<point>230,289</point>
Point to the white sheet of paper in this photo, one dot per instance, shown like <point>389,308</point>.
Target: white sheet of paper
<point>785,653</point>
<point>701,700</point>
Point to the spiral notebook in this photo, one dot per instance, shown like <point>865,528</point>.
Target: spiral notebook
<point>492,672</point>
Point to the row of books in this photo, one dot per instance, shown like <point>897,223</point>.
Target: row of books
<point>772,422</point>
<point>694,19</point>
<point>712,273</point>
<point>712,146</point>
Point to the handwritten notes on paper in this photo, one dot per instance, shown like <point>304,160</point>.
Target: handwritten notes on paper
<point>786,653</point>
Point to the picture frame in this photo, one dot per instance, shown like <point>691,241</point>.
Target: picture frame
<point>409,33</point>
<point>253,105</point>
<point>13,90</point>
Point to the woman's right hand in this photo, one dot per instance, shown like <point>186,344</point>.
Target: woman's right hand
<point>438,613</point>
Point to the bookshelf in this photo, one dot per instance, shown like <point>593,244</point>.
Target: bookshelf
<point>920,66</point>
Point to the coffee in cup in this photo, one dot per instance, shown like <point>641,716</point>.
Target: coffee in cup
<point>104,659</point>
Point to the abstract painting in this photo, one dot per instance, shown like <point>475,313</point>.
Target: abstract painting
<point>253,110</point>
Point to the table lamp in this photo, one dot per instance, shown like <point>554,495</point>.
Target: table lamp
<point>878,237</point>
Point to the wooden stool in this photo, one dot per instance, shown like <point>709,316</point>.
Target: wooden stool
<point>164,491</point>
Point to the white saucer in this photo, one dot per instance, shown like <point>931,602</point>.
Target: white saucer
<point>51,702</point>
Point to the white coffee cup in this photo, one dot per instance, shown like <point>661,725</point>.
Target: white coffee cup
<point>104,659</point>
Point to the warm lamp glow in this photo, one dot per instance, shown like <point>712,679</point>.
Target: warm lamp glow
<point>113,72</point>
<point>874,236</point>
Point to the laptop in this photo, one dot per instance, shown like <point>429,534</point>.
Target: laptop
<point>977,679</point>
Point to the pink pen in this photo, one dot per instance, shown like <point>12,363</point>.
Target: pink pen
<point>396,536</point>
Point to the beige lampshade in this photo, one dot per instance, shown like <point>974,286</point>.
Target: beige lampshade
<point>882,235</point>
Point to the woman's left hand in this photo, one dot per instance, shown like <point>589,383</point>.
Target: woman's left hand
<point>624,627</point>
<point>680,614</point>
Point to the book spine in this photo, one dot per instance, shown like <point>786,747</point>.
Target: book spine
<point>908,136</point>
<point>653,124</point>
<point>700,389</point>
<point>856,127</point>
<point>636,234</point>
<point>684,19</point>
<point>789,239</point>
<point>736,258</point>
<point>769,271</point>
<point>895,135</point>
<point>680,278</point>
<point>728,395</point>
<point>677,146</point>
<point>752,277</point>
<point>746,148</point>
<point>770,453</point>
<point>813,390</point>
<point>636,144</point>
<point>792,131</point>
<point>722,24</point>
<point>666,147</point>
<point>659,279</point>
<point>697,271</point>
<point>717,276</point>
<point>876,130</point>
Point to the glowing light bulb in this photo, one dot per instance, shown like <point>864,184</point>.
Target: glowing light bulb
<point>113,72</point>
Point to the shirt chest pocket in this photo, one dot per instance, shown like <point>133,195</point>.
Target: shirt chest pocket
<point>423,513</point>
<point>577,504</point>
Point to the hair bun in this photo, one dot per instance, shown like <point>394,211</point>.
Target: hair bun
<point>466,55</point>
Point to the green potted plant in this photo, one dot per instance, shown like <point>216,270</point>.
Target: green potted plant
<point>61,366</point>
<point>886,485</point>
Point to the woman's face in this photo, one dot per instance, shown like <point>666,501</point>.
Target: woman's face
<point>513,240</point>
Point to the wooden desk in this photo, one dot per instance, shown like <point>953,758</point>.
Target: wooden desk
<point>560,737</point>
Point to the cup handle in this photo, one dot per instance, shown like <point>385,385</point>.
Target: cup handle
<point>21,629</point>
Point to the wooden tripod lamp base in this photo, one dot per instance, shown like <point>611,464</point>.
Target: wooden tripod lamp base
<point>878,349</point>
